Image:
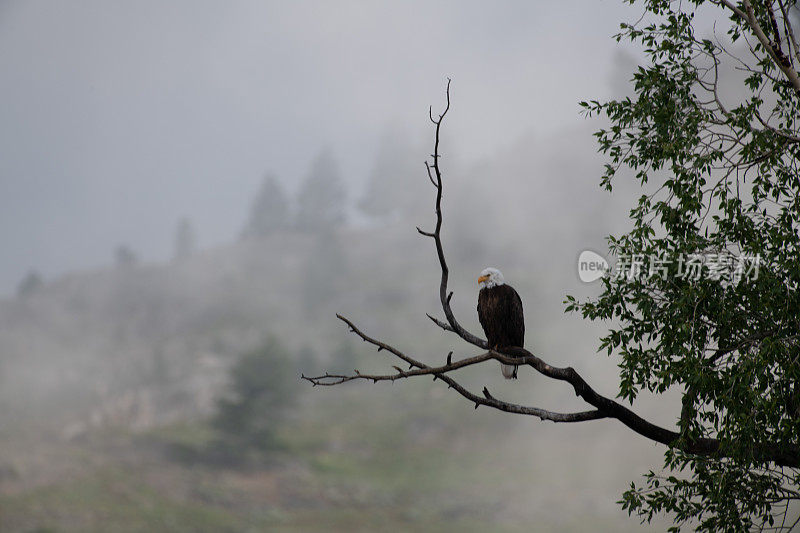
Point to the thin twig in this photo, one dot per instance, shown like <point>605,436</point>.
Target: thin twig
<point>604,407</point>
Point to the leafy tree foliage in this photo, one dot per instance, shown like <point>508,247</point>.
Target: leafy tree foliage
<point>262,393</point>
<point>718,164</point>
<point>270,210</point>
<point>321,200</point>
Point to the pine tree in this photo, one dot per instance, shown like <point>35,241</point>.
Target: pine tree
<point>321,200</point>
<point>29,284</point>
<point>270,210</point>
<point>185,240</point>
<point>396,181</point>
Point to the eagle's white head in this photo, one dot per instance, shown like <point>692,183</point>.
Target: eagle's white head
<point>490,277</point>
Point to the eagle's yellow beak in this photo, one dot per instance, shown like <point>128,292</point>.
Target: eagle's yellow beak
<point>482,279</point>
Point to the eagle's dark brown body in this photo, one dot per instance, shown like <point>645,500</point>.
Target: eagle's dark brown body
<point>500,314</point>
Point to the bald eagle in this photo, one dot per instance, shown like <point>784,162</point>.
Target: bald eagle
<point>500,314</point>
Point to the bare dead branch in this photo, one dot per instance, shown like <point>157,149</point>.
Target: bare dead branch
<point>430,176</point>
<point>419,368</point>
<point>444,325</point>
<point>604,407</point>
<point>437,236</point>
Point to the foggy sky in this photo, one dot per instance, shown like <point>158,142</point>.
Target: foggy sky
<point>120,118</point>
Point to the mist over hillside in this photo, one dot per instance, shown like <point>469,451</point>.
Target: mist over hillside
<point>192,191</point>
<point>109,331</point>
<point>136,348</point>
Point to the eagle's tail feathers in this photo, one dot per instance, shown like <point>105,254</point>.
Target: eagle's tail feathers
<point>509,371</point>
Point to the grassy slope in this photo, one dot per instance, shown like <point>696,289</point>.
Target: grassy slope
<point>386,469</point>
